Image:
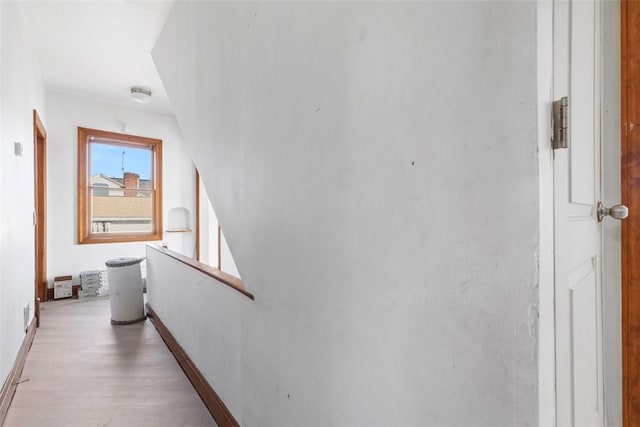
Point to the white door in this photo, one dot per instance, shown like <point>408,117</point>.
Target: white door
<point>578,261</point>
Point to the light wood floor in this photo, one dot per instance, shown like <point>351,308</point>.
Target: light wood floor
<point>82,371</point>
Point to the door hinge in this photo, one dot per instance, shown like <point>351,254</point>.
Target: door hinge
<point>560,137</point>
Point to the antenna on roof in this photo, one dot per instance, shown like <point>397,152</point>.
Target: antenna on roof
<point>122,167</point>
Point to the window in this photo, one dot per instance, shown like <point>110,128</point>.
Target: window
<point>211,247</point>
<point>97,191</point>
<point>119,187</point>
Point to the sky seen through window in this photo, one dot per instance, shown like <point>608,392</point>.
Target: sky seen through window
<point>109,160</point>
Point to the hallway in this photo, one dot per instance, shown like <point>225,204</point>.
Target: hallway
<point>82,371</point>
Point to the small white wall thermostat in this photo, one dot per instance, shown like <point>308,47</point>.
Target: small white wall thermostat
<point>17,148</point>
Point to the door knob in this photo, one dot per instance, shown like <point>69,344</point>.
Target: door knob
<point>615,212</point>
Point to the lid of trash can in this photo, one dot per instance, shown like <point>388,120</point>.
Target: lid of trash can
<point>123,262</point>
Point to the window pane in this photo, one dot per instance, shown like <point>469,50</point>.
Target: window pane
<point>121,189</point>
<point>113,161</point>
<point>121,213</point>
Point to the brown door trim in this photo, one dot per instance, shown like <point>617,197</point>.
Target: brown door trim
<point>40,196</point>
<point>630,241</point>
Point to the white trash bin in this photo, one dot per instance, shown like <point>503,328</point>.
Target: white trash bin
<point>125,284</point>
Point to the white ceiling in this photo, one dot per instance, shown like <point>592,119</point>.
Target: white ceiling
<point>99,48</point>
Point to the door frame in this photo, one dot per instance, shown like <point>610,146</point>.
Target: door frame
<point>626,240</point>
<point>630,232</point>
<point>40,212</point>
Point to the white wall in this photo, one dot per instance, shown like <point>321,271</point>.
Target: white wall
<point>374,167</point>
<point>66,114</point>
<point>219,331</point>
<point>21,91</point>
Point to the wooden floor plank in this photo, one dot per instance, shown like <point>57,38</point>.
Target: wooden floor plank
<point>82,371</point>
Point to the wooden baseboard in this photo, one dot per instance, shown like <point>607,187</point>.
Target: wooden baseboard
<point>212,401</point>
<point>10,385</point>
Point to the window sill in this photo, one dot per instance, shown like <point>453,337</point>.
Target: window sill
<point>225,278</point>
<point>118,238</point>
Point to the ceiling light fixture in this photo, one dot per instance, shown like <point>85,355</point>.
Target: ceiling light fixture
<point>141,94</point>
